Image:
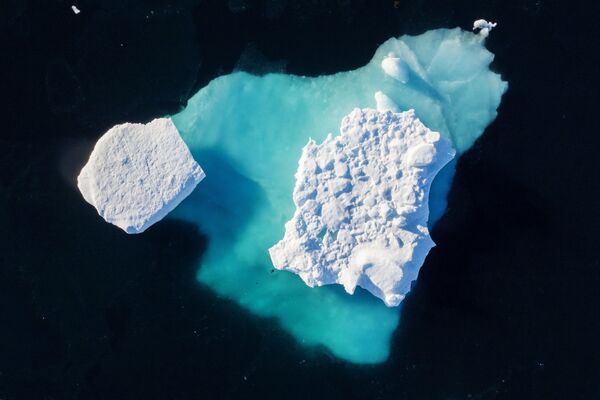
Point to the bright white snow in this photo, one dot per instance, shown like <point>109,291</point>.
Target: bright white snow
<point>484,27</point>
<point>138,173</point>
<point>362,205</point>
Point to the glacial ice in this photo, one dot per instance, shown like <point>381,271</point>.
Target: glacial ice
<point>249,132</point>
<point>362,205</point>
<point>138,173</point>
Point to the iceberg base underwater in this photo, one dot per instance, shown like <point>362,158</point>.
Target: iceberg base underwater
<point>248,132</point>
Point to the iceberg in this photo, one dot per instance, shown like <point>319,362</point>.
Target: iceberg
<point>249,132</point>
<point>138,173</point>
<point>362,205</point>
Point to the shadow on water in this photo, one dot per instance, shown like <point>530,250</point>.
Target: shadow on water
<point>425,88</point>
<point>224,201</point>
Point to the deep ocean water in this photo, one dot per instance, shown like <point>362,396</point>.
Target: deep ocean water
<point>505,306</point>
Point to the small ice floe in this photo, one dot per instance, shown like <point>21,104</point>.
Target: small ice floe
<point>138,173</point>
<point>75,9</point>
<point>484,27</point>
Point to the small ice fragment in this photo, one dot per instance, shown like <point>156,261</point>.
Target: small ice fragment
<point>484,27</point>
<point>75,9</point>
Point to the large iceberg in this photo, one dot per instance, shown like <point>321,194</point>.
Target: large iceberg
<point>249,132</point>
<point>138,173</point>
<point>362,205</point>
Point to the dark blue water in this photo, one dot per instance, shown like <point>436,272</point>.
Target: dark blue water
<point>505,307</point>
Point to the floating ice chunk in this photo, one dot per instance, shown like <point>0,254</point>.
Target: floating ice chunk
<point>485,27</point>
<point>366,225</point>
<point>395,67</point>
<point>75,9</point>
<point>138,173</point>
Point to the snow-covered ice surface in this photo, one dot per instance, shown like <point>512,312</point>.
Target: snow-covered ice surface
<point>384,103</point>
<point>249,131</point>
<point>362,205</point>
<point>138,173</point>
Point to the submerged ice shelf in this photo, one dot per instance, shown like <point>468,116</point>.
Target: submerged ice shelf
<point>137,174</point>
<point>249,132</point>
<point>362,205</point>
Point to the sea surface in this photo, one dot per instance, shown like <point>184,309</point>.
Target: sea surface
<point>506,306</point>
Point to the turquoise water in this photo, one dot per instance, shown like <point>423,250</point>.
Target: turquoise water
<point>247,133</point>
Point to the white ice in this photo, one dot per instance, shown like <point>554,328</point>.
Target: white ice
<point>138,173</point>
<point>384,103</point>
<point>362,205</point>
<point>75,9</point>
<point>485,27</point>
<point>395,68</point>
